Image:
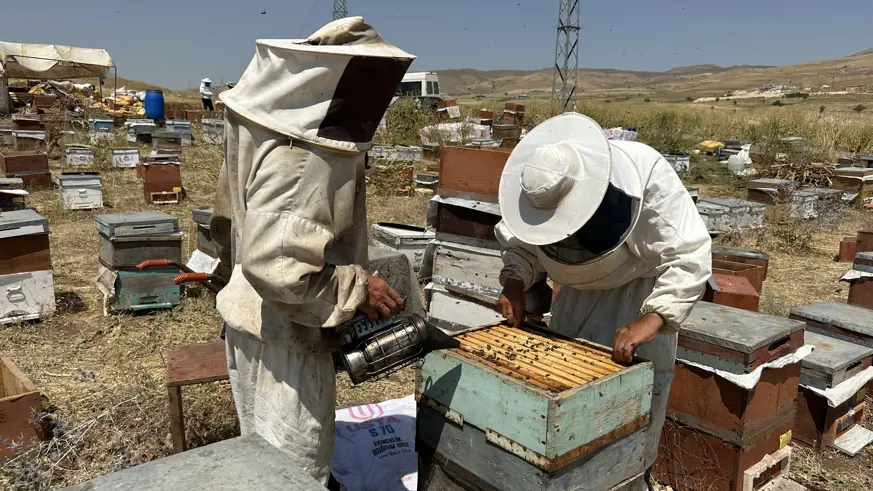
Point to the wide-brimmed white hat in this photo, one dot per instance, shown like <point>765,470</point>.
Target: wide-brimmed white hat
<point>555,179</point>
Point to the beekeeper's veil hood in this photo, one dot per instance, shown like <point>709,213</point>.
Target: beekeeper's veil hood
<point>330,89</point>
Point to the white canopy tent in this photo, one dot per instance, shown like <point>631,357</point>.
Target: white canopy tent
<point>48,62</point>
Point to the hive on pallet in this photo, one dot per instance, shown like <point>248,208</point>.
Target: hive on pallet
<point>25,267</point>
<point>841,370</point>
<point>127,239</point>
<point>716,429</point>
<point>547,412</point>
<point>80,190</point>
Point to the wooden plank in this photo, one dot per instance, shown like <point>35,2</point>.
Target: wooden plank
<point>177,418</point>
<point>197,364</point>
<point>471,172</point>
<point>465,454</point>
<point>25,253</point>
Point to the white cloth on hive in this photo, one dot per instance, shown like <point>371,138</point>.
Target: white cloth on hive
<point>846,389</point>
<point>749,380</point>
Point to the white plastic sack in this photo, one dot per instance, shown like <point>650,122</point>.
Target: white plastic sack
<point>845,390</point>
<point>375,447</point>
<point>748,381</point>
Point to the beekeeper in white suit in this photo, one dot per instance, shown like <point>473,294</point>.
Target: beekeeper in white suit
<point>613,225</point>
<point>298,125</point>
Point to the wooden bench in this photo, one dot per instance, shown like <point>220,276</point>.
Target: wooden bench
<point>191,365</point>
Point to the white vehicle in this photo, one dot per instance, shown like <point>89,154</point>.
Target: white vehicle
<point>419,84</point>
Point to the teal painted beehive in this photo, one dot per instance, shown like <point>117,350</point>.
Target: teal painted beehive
<point>549,400</point>
<point>147,290</point>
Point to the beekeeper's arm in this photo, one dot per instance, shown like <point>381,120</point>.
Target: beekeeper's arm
<point>292,204</point>
<point>671,234</point>
<point>521,269</point>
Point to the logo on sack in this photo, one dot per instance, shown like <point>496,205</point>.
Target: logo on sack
<point>363,413</point>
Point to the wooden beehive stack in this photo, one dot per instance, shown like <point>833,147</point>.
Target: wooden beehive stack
<point>25,267</point>
<point>464,262</point>
<point>548,412</point>
<point>822,422</point>
<point>717,430</point>
<point>167,142</point>
<point>127,239</point>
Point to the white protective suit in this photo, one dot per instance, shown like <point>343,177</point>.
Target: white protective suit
<point>206,90</point>
<point>662,267</point>
<point>297,126</point>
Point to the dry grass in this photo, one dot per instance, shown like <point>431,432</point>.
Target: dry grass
<point>102,377</point>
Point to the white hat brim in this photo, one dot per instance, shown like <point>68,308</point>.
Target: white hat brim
<point>378,50</point>
<point>547,226</point>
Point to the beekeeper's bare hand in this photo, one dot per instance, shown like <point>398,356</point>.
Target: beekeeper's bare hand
<point>511,302</point>
<point>381,299</point>
<point>634,335</point>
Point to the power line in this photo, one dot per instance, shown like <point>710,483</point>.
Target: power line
<point>340,9</point>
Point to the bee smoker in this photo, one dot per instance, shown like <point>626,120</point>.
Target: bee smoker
<point>372,349</point>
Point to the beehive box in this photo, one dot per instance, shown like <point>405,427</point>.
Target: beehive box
<point>742,255</point>
<point>162,182</point>
<point>453,312</point>
<point>12,194</point>
<point>463,217</point>
<point>28,122</point>
<point>409,240</point>
<point>715,217</point>
<point>19,400</point>
<point>848,249</point>
<point>732,291</point>
<point>770,191</point>
<point>100,124</point>
<point>752,272</point>
<point>741,214</point>
<point>147,290</point>
<point>716,430</point>
<point>167,142</point>
<point>833,362</point>
<point>127,239</point>
<point>202,218</point>
<point>854,180</point>
<point>847,322</point>
<point>472,173</point>
<point>81,190</point>
<point>20,162</point>
<point>79,155</point>
<point>182,127</point>
<point>546,399</point>
<point>465,266</point>
<point>25,267</point>
<point>101,136</point>
<point>808,203</point>
<point>125,158</point>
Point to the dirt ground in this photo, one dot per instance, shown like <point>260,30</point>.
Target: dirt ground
<point>102,377</point>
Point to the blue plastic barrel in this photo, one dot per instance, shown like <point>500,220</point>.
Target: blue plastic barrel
<point>154,105</point>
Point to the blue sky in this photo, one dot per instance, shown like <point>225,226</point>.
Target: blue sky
<point>176,43</point>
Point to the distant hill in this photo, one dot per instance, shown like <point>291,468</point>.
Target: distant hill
<point>840,73</point>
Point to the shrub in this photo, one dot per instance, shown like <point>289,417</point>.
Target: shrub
<point>859,108</point>
<point>778,103</point>
<point>797,95</point>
